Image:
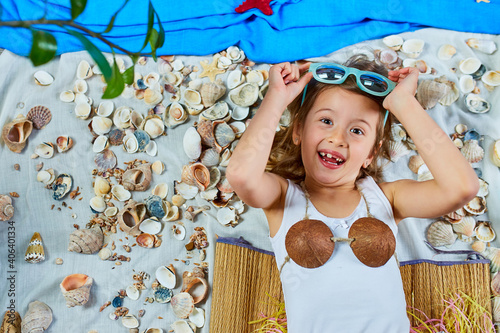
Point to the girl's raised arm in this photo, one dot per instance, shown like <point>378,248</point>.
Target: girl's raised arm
<point>454,183</point>
<point>246,169</point>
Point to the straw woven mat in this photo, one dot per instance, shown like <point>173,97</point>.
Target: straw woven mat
<point>243,275</point>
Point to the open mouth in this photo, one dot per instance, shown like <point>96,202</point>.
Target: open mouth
<point>330,159</point>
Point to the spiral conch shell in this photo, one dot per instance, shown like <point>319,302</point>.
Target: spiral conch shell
<point>137,179</point>
<point>76,289</point>
<point>196,174</point>
<point>37,319</point>
<point>87,241</point>
<point>6,208</point>
<point>15,133</point>
<point>34,252</point>
<point>211,92</point>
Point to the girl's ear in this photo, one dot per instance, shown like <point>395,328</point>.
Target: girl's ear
<point>296,133</point>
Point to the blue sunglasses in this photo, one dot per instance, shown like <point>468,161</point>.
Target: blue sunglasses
<point>370,82</point>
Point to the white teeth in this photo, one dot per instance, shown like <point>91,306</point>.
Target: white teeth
<point>329,155</point>
<point>339,160</point>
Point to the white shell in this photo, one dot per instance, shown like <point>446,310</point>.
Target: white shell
<point>476,104</point>
<point>80,86</point>
<point>175,114</point>
<point>224,62</point>
<point>238,127</point>
<point>130,143</point>
<point>219,110</point>
<point>209,194</point>
<point>446,52</point>
<point>226,215</point>
<point>483,45</point>
<point>46,177</point>
<point>150,226</point>
<point>177,64</point>
<point>469,65</point>
<point>166,277</point>
<point>440,233</point>
<point>239,206</point>
<point>105,253</point>
<point>84,71</point>
<point>82,110</point>
<point>152,96</point>
<point>467,84</point>
<point>133,293</point>
<point>397,149</point>
<point>101,125</point>
<point>120,193</point>
<point>197,317</point>
<point>111,211</point>
<point>413,47</point>
<point>43,78</point>
<point>67,96</point>
<point>101,186</point>
<point>121,118</point>
<point>491,78</point>
<point>45,150</point>
<point>129,321</point>
<point>255,76</point>
<point>151,148</point>
<point>235,54</point>
<point>158,167</point>
<point>240,112</point>
<point>179,231</point>
<point>98,204</point>
<point>495,156</point>
<point>245,95</point>
<point>154,127</point>
<point>192,143</point>
<point>393,42</point>
<point>192,97</point>
<point>181,326</point>
<point>161,190</point>
<point>105,108</point>
<point>186,191</point>
<point>82,98</point>
<point>234,79</point>
<point>465,226</point>
<point>100,143</point>
<point>151,79</point>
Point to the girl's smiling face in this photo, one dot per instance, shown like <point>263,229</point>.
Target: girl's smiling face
<point>338,136</point>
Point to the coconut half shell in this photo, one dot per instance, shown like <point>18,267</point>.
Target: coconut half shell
<point>374,243</point>
<point>309,244</point>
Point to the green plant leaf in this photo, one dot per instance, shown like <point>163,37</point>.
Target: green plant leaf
<point>128,75</point>
<point>115,83</point>
<point>153,38</point>
<point>113,18</point>
<point>95,53</point>
<point>77,7</point>
<point>161,34</point>
<point>43,48</point>
<point>151,21</point>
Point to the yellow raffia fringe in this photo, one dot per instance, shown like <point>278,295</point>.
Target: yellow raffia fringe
<point>276,322</point>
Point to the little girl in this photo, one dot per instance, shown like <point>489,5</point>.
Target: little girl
<point>337,267</point>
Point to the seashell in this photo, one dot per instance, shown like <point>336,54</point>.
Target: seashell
<point>173,213</point>
<point>15,133</point>
<point>234,79</point>
<point>245,95</point>
<point>40,116</point>
<point>211,92</point>
<point>263,90</point>
<point>152,96</point>
<point>446,52</point>
<point>173,78</point>
<point>46,177</point>
<point>175,115</point>
<point>495,285</point>
<point>177,65</point>
<point>415,163</point>
<point>412,47</point>
<point>101,186</point>
<point>476,206</point>
<point>238,128</point>
<point>146,240</point>
<point>76,289</point>
<point>429,92</point>
<point>163,294</point>
<point>178,200</point>
<point>131,216</point>
<point>121,118</point>
<point>476,104</point>
<point>129,321</point>
<point>84,71</point>
<point>42,78</point>
<point>465,226</point>
<point>62,186</point>
<point>82,98</point>
<point>87,241</point>
<point>101,125</point>
<point>6,208</point>
<point>218,111</point>
<point>239,206</point>
<point>198,294</point>
<point>97,205</point>
<point>240,112</point>
<point>151,79</point>
<point>166,276</point>
<point>80,86</point>
<point>185,190</point>
<point>105,160</point>
<point>471,134</point>
<point>136,119</point>
<point>179,231</point>
<point>105,109</point>
<point>225,157</point>
<point>192,97</point>
<point>153,125</point>
<point>495,156</point>
<point>491,78</point>
<point>453,93</point>
<point>117,301</point>
<point>181,326</point>
<point>105,253</point>
<point>45,150</point>
<point>483,45</point>
<point>82,110</point>
<point>469,65</point>
<point>116,137</point>
<point>158,167</point>
<point>130,143</point>
<point>150,226</point>
<point>111,211</point>
<point>137,179</point>
<point>210,157</point>
<point>223,134</point>
<point>133,293</point>
<point>161,190</point>
<point>394,42</point>
<point>235,54</point>
<point>483,188</point>
<point>387,57</point>
<point>397,149</point>
<point>479,73</point>
<point>196,174</point>
<point>224,62</point>
<point>156,207</point>
<point>64,143</point>
<point>197,317</point>
<point>182,304</point>
<point>192,143</point>
<point>255,76</point>
<point>484,231</point>
<point>467,84</point>
<point>100,143</point>
<point>478,246</point>
<point>209,194</point>
<point>34,252</point>
<point>37,319</point>
<point>493,254</point>
<point>11,322</point>
<point>472,151</point>
<point>227,216</point>
<point>67,96</point>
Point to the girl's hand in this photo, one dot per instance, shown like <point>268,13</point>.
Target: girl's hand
<point>407,80</point>
<point>285,82</point>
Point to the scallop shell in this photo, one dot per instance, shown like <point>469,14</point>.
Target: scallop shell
<point>453,93</point>
<point>192,143</point>
<point>483,45</point>
<point>153,125</point>
<point>495,285</point>
<point>467,84</point>
<point>43,78</point>
<point>429,92</point>
<point>40,116</point>
<point>175,114</point>
<point>465,226</point>
<point>34,252</point>
<point>158,167</point>
<point>484,231</point>
<point>412,47</point>
<point>211,92</point>
<point>83,110</point>
<point>234,79</point>
<point>245,95</point>
<point>210,157</point>
<point>87,241</point>
<point>105,108</point>
<point>76,289</point>
<point>105,160</point>
<point>6,208</point>
<point>15,133</point>
<point>121,117</point>
<point>495,155</point>
<point>131,216</point>
<point>223,134</point>
<point>491,78</point>
<point>185,190</point>
<point>166,276</point>
<point>62,186</point>
<point>469,65</point>
<point>415,162</point>
<point>37,319</point>
<point>101,125</point>
<point>476,104</point>
<point>394,42</point>
<point>397,149</point>
<point>493,254</point>
<point>446,52</point>
<point>206,131</point>
<point>64,143</point>
<point>196,174</point>
<point>137,179</point>
<point>163,294</point>
<point>472,151</point>
<point>156,207</point>
<point>182,305</point>
<point>84,71</point>
<point>97,205</point>
<point>476,206</point>
<point>150,226</point>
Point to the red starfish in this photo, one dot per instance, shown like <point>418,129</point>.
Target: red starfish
<point>262,5</point>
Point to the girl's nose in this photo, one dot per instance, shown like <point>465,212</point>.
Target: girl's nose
<point>337,137</point>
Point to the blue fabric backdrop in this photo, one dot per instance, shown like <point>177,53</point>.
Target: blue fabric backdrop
<point>297,29</point>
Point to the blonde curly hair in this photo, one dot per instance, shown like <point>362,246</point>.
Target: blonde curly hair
<point>285,158</point>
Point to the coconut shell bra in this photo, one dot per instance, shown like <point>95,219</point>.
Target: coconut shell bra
<point>310,243</point>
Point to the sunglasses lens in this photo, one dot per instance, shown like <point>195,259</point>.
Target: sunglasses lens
<point>330,73</point>
<point>374,83</point>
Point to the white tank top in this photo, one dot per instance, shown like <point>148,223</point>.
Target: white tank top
<point>343,295</point>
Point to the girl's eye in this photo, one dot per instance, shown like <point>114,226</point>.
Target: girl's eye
<point>357,131</point>
<point>326,121</point>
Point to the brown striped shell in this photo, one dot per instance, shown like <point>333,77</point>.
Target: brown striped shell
<point>40,116</point>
